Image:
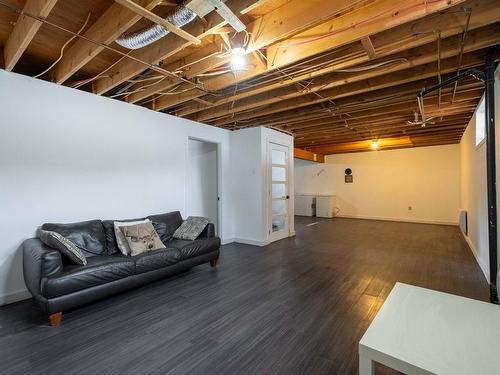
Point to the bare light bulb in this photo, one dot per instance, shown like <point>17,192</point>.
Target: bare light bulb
<point>374,145</point>
<point>238,60</point>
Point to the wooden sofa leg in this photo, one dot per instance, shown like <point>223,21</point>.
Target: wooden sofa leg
<point>213,262</point>
<point>55,319</point>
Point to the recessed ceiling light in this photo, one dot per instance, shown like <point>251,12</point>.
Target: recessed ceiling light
<point>374,145</point>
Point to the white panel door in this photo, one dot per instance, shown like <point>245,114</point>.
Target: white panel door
<point>278,177</point>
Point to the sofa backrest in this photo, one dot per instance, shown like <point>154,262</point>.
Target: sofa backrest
<point>96,237</point>
<point>166,224</point>
<point>88,235</point>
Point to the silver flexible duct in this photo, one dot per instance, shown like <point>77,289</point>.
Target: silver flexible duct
<point>179,17</point>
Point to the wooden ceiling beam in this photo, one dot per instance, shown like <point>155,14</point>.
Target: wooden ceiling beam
<point>254,63</point>
<point>369,48</point>
<point>114,22</point>
<point>388,143</point>
<point>25,30</point>
<point>378,100</point>
<point>462,99</point>
<point>377,124</point>
<point>375,83</point>
<point>360,23</point>
<point>284,21</point>
<point>166,47</point>
<point>333,123</point>
<point>143,12</point>
<point>481,38</point>
<point>307,155</point>
<point>387,43</point>
<point>190,66</point>
<point>395,130</point>
<point>361,145</point>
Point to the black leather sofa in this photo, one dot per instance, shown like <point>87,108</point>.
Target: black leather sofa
<point>57,286</point>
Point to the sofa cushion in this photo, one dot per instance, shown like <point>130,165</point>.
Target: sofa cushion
<point>166,224</point>
<point>65,246</point>
<point>153,260</point>
<point>142,238</point>
<point>121,241</point>
<point>109,233</point>
<point>191,249</point>
<point>191,228</point>
<point>99,270</point>
<point>87,235</point>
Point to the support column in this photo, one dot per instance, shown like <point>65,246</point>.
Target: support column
<point>491,169</point>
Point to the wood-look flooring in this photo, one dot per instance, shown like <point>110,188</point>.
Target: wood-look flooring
<point>297,306</point>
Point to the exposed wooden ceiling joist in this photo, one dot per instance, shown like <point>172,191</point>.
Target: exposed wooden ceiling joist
<point>105,30</point>
<point>291,18</point>
<point>143,12</point>
<point>165,47</point>
<point>425,55</point>
<point>336,74</point>
<point>388,44</point>
<point>391,15</point>
<point>25,30</point>
<point>367,85</point>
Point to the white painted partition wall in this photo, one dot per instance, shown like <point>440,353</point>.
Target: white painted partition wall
<point>67,155</point>
<point>473,189</point>
<point>251,185</point>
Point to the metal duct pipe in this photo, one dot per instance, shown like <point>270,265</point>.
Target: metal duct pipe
<point>179,17</point>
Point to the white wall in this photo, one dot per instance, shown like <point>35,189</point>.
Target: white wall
<point>66,155</point>
<point>202,180</point>
<point>386,183</point>
<point>251,186</point>
<point>473,188</point>
<point>473,194</point>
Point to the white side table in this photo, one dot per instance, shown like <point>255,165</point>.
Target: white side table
<point>422,331</point>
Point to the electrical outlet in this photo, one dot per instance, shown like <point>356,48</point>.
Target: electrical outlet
<point>410,208</point>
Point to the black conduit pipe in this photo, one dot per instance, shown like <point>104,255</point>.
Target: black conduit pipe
<point>488,76</point>
<point>491,169</point>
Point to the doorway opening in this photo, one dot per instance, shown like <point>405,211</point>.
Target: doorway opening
<point>203,186</point>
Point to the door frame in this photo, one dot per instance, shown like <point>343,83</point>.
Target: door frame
<point>218,226</point>
<point>276,236</point>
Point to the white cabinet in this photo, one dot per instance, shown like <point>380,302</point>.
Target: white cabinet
<point>325,206</point>
<point>304,204</point>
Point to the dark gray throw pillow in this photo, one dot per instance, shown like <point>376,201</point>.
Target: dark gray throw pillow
<point>191,228</point>
<point>65,246</point>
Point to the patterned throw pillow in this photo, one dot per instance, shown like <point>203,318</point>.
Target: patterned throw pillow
<point>121,241</point>
<point>65,246</point>
<point>142,238</point>
<point>191,228</point>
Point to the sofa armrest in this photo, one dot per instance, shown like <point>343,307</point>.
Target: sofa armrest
<point>39,261</point>
<point>208,232</point>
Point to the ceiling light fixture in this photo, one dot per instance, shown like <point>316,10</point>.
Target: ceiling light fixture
<point>374,145</point>
<point>238,61</point>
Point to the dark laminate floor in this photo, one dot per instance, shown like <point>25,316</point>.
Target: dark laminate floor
<point>299,305</point>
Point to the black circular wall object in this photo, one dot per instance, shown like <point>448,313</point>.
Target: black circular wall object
<point>348,171</point>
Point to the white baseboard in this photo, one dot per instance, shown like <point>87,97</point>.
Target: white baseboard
<point>383,218</point>
<point>225,241</point>
<point>251,242</point>
<point>14,297</point>
<point>484,267</point>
